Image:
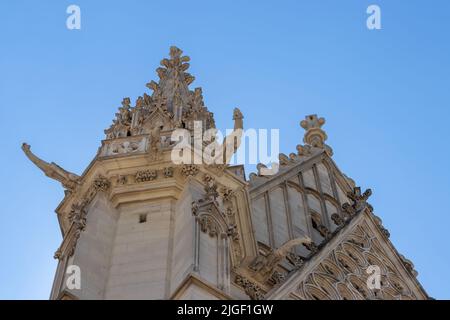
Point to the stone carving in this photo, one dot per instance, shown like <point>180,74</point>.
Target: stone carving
<point>342,274</point>
<point>145,175</point>
<point>194,208</point>
<point>303,151</point>
<point>230,144</point>
<point>379,223</point>
<point>250,288</point>
<point>101,184</point>
<point>227,194</point>
<point>295,260</point>
<point>359,201</point>
<point>337,219</point>
<point>155,142</point>
<point>314,135</point>
<point>277,277</point>
<point>189,170</point>
<point>264,266</point>
<point>68,180</point>
<point>284,160</point>
<point>121,147</point>
<point>171,105</point>
<point>198,112</point>
<point>58,254</point>
<point>211,219</point>
<point>125,147</point>
<point>210,188</point>
<point>122,124</point>
<point>77,217</point>
<point>324,232</point>
<point>122,180</point>
<point>208,225</point>
<point>312,247</point>
<point>168,172</point>
<point>409,266</point>
<point>232,232</point>
<point>78,214</point>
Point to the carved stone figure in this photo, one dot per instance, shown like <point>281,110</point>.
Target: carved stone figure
<point>232,142</point>
<point>155,141</point>
<point>265,267</point>
<point>52,170</point>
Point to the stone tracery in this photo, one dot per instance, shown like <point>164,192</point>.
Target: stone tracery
<point>342,274</point>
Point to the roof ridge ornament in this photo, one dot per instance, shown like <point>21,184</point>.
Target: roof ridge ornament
<point>314,135</point>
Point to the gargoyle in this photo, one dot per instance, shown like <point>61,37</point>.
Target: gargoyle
<point>232,142</point>
<point>266,266</point>
<point>52,170</point>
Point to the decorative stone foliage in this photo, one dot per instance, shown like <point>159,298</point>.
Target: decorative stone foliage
<point>77,217</point>
<point>146,175</point>
<point>251,289</point>
<point>189,170</point>
<point>168,172</point>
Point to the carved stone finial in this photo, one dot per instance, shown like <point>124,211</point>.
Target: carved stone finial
<point>122,123</point>
<point>175,53</point>
<point>314,135</point>
<point>126,102</point>
<point>303,150</point>
<point>152,85</point>
<point>312,122</point>
<point>237,114</point>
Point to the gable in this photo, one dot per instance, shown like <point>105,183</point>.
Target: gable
<point>301,200</point>
<point>340,270</point>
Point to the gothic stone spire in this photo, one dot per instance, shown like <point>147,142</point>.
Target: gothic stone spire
<point>173,82</point>
<point>171,104</point>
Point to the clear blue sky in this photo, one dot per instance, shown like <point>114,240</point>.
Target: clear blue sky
<point>385,95</point>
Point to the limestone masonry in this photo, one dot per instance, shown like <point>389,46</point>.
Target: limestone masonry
<point>140,227</point>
